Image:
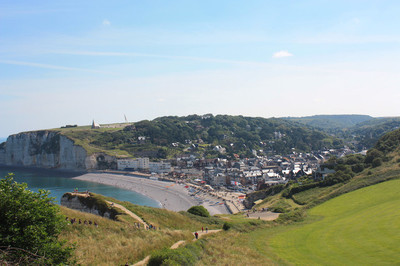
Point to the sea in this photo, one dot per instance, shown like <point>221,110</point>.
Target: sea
<point>59,182</point>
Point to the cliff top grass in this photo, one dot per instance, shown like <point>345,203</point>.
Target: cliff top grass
<point>84,136</point>
<point>358,228</point>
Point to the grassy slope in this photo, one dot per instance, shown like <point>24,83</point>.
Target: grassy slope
<point>118,242</point>
<point>83,135</point>
<point>113,242</point>
<point>361,227</point>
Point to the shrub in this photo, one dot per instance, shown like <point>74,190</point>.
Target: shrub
<point>30,225</point>
<point>376,162</point>
<point>199,210</point>
<point>188,255</point>
<point>373,154</point>
<point>357,168</point>
<point>227,226</point>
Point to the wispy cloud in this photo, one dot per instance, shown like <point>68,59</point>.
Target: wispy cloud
<point>175,57</point>
<point>281,54</point>
<point>106,22</point>
<point>31,64</point>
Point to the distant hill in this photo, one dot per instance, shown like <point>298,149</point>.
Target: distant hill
<point>368,132</point>
<point>205,135</point>
<point>360,131</point>
<point>331,121</point>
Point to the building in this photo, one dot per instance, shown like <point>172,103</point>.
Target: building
<point>133,164</point>
<point>95,125</point>
<point>159,167</point>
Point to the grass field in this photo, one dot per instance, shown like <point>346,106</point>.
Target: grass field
<point>358,228</point>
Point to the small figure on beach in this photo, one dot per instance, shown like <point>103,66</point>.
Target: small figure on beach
<point>196,235</point>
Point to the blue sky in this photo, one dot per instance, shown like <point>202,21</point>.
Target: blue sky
<point>68,62</point>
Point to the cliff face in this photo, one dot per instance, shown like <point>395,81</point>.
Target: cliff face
<point>88,204</point>
<point>49,149</point>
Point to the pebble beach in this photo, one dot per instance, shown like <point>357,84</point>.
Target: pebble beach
<point>171,196</point>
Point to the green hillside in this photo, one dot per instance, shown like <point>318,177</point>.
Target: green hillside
<point>358,228</point>
<point>368,133</point>
<point>165,137</point>
<point>331,121</point>
<point>357,131</point>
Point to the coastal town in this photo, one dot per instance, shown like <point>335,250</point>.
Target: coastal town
<point>210,180</point>
<point>248,174</point>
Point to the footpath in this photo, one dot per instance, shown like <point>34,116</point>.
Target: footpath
<point>133,215</point>
<point>176,245</point>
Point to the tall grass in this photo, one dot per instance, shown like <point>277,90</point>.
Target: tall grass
<point>113,242</point>
<point>169,219</point>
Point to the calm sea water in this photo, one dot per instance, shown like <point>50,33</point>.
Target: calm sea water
<point>59,183</point>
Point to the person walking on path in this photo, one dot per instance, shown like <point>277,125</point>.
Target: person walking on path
<point>202,229</point>
<point>206,230</point>
<point>196,235</point>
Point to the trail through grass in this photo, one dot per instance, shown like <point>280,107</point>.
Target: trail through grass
<point>358,228</point>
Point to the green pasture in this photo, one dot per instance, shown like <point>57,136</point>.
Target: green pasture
<point>358,228</point>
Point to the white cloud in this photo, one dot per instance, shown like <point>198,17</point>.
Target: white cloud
<point>281,54</point>
<point>106,22</point>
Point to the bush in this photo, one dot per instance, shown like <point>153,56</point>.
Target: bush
<point>293,216</point>
<point>243,226</point>
<point>357,168</point>
<point>376,162</point>
<point>30,225</point>
<point>188,255</point>
<point>227,226</point>
<point>373,154</point>
<point>199,210</point>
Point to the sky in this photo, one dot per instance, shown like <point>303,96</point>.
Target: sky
<point>69,62</point>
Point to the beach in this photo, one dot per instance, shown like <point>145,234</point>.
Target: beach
<point>171,196</point>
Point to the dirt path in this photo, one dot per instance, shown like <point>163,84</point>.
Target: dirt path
<point>201,234</point>
<point>266,216</point>
<point>176,245</point>
<point>128,212</point>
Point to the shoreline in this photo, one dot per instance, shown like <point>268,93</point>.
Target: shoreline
<point>167,194</point>
<point>171,196</point>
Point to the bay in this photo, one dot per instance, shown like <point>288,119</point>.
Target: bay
<point>58,183</point>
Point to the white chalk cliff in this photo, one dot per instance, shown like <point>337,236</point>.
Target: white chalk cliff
<point>48,149</point>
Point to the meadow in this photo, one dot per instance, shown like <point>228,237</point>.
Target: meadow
<point>358,228</point>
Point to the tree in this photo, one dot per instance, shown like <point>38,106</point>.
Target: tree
<point>30,223</point>
<point>199,210</point>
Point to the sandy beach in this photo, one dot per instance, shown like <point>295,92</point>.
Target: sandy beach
<point>170,195</point>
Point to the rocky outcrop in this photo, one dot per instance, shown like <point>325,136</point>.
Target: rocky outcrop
<point>261,194</point>
<point>86,203</point>
<point>50,149</point>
